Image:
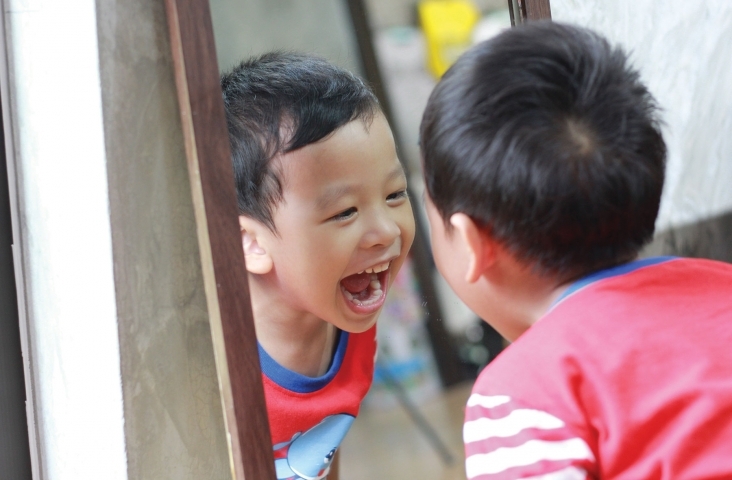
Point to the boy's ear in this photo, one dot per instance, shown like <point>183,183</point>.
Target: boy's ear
<point>480,248</point>
<point>257,259</point>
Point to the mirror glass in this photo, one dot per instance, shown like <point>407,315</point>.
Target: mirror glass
<point>410,423</point>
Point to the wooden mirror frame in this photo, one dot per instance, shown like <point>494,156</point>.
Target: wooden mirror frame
<point>227,290</point>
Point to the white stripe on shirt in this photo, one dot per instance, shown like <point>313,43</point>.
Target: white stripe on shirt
<point>528,453</point>
<point>487,401</point>
<point>516,421</point>
<point>569,473</point>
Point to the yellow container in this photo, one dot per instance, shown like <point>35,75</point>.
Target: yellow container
<point>448,28</point>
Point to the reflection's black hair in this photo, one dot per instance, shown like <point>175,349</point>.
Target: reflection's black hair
<point>547,138</point>
<point>279,102</point>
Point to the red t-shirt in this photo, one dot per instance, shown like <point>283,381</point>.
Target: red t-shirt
<point>309,417</point>
<point>628,376</point>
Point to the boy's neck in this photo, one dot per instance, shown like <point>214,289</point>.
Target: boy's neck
<point>527,305</point>
<point>302,343</point>
<point>520,296</point>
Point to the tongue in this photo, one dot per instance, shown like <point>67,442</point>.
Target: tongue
<point>356,283</point>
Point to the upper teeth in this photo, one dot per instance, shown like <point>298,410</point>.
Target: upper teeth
<point>377,268</point>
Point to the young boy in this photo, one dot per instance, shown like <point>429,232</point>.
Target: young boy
<point>544,165</point>
<point>325,226</point>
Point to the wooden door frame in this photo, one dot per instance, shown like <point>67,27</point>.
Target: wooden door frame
<point>15,447</point>
<point>24,444</point>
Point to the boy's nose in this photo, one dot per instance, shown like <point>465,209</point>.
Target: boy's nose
<point>383,231</point>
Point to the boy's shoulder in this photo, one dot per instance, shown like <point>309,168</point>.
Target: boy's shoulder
<point>596,333</point>
<point>641,292</point>
<point>649,344</point>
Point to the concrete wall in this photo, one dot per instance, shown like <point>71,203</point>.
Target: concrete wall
<point>174,425</point>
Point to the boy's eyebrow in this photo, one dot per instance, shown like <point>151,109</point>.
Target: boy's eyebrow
<point>330,195</point>
<point>398,171</point>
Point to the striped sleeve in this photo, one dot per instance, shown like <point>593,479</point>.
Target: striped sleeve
<point>505,440</point>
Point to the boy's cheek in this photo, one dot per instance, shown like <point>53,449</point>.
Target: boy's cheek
<point>410,229</point>
<point>447,255</point>
<point>436,228</point>
<point>440,246</point>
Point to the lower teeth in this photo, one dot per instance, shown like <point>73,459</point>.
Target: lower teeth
<point>374,293</point>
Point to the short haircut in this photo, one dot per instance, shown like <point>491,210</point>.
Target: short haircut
<point>546,137</point>
<point>277,103</point>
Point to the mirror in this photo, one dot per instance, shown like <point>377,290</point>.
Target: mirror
<point>418,355</point>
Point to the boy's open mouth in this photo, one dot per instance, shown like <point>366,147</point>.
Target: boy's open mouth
<point>366,289</point>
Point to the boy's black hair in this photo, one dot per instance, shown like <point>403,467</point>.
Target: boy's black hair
<point>279,102</point>
<point>546,137</point>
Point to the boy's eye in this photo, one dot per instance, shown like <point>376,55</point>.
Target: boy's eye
<point>397,195</point>
<point>344,215</point>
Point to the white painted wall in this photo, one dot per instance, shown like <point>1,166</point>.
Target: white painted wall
<point>683,50</point>
<point>62,185</point>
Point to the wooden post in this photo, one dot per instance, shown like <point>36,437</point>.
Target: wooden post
<point>529,10</point>
<point>212,185</point>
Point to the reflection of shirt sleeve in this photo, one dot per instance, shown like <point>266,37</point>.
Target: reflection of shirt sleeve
<point>506,440</point>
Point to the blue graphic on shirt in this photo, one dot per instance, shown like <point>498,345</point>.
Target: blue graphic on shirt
<point>307,456</point>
